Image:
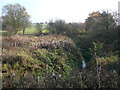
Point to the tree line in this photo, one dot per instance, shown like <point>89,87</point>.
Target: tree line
<point>15,18</point>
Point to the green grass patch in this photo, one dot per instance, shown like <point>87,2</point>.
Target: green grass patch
<point>2,32</point>
<point>29,31</point>
<point>45,31</point>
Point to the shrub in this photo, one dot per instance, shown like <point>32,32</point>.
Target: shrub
<point>25,60</point>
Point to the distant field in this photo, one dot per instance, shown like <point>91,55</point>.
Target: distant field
<point>29,31</point>
<point>33,31</point>
<point>2,32</point>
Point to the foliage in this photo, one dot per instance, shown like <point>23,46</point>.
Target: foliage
<point>39,27</point>
<point>100,21</point>
<point>61,27</point>
<point>57,26</point>
<point>23,64</point>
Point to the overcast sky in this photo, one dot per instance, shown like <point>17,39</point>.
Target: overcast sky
<point>68,10</point>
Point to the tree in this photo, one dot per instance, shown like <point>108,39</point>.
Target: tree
<point>92,20</point>
<point>39,27</point>
<point>107,20</point>
<point>72,29</point>
<point>15,18</point>
<point>100,21</point>
<point>57,26</point>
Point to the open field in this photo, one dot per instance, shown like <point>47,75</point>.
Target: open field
<point>2,32</point>
<point>27,31</point>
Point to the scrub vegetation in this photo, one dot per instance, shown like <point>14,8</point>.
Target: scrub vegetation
<point>51,55</point>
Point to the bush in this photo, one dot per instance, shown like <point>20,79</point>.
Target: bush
<point>25,60</point>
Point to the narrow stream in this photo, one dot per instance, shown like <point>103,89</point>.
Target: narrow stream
<point>83,64</point>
